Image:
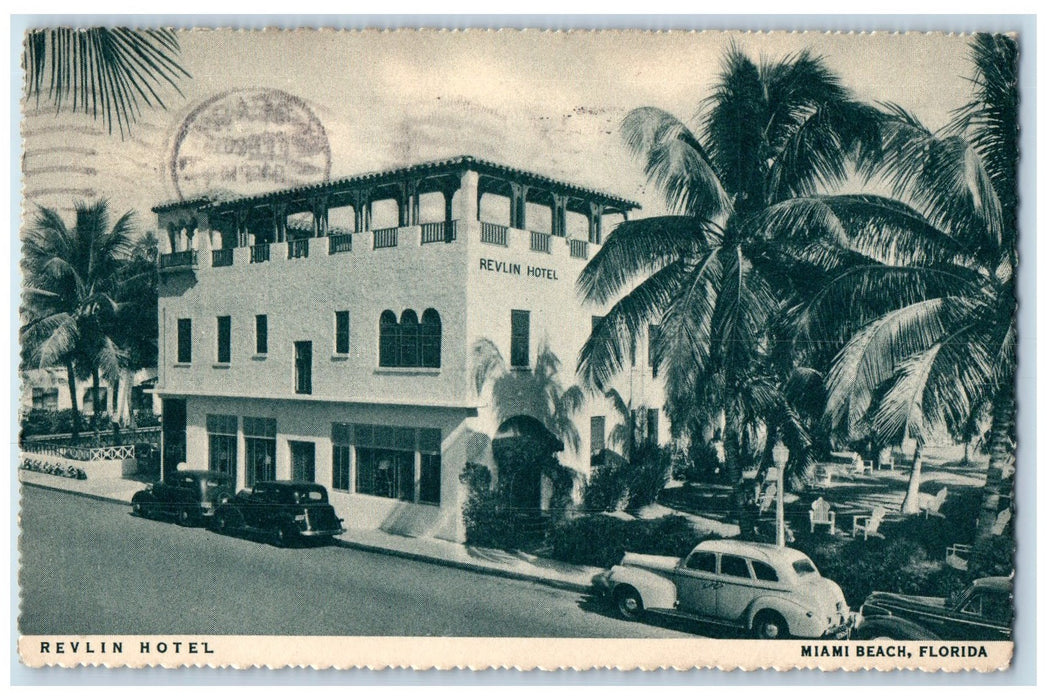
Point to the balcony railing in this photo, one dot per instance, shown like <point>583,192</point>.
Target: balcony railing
<point>298,248</point>
<point>540,242</point>
<point>385,237</point>
<point>439,232</point>
<point>340,243</point>
<point>222,257</point>
<point>260,253</point>
<point>183,258</point>
<point>495,234</point>
<point>579,249</point>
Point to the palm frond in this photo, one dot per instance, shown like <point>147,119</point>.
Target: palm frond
<point>869,359</point>
<point>641,247</point>
<point>110,73</point>
<point>675,162</point>
<point>487,363</point>
<point>603,354</point>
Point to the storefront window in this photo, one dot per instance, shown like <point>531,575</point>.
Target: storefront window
<point>260,449</point>
<point>391,462</point>
<point>341,456</point>
<point>221,438</point>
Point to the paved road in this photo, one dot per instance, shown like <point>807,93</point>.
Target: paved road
<point>89,567</point>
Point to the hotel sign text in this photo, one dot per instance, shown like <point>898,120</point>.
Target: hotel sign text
<point>492,265</point>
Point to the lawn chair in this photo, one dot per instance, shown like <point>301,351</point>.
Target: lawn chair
<point>887,458</point>
<point>1001,522</point>
<point>869,524</point>
<point>823,476</point>
<point>932,505</point>
<point>957,556</point>
<point>822,514</point>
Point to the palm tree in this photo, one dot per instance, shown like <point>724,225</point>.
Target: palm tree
<point>109,72</point>
<point>773,131</point>
<point>930,312</point>
<point>136,330</point>
<point>69,303</point>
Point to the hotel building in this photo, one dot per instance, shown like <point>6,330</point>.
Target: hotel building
<point>332,333</point>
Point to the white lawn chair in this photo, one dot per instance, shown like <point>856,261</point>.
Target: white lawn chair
<point>932,505</point>
<point>768,497</point>
<point>822,514</point>
<point>957,556</point>
<point>887,458</point>
<point>1002,520</point>
<point>869,524</point>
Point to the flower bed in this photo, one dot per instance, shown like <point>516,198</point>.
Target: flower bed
<point>35,464</point>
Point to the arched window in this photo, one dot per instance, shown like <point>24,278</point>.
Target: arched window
<point>409,339</point>
<point>388,340</point>
<point>431,331</point>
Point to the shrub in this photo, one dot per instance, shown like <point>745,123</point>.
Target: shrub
<point>616,482</point>
<point>895,564</point>
<point>490,521</point>
<point>601,540</point>
<point>68,471</point>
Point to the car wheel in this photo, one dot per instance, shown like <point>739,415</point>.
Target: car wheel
<point>136,509</point>
<point>221,523</point>
<point>284,538</point>
<point>185,518</point>
<point>770,625</point>
<point>629,603</point>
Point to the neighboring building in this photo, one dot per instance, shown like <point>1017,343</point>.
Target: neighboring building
<point>344,352</point>
<point>48,389</point>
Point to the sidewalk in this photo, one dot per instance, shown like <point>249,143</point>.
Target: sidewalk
<point>514,565</point>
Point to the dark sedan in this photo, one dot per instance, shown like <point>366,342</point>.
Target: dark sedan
<point>982,612</point>
<point>188,496</point>
<point>283,511</point>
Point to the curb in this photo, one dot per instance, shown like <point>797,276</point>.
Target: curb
<point>475,568</point>
<point>92,496</point>
<point>376,549</point>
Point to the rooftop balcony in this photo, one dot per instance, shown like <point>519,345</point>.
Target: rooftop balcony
<point>451,235</point>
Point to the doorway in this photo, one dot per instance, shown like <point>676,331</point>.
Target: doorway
<point>303,460</point>
<point>173,416</point>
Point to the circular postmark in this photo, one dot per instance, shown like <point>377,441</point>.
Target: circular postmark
<point>248,141</point>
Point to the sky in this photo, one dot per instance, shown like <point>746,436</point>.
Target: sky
<point>546,101</point>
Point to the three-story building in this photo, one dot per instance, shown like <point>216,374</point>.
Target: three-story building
<point>336,333</point>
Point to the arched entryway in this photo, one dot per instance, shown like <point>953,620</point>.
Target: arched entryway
<point>523,447</point>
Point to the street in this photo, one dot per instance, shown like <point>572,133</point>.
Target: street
<point>89,567</point>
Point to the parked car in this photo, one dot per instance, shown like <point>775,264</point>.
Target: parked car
<point>982,612</point>
<point>772,593</point>
<point>188,496</point>
<point>286,511</point>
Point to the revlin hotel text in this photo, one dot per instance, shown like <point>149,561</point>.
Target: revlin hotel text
<point>117,647</point>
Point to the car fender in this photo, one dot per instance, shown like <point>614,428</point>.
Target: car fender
<point>143,497</point>
<point>893,627</point>
<point>795,615</point>
<point>657,591</point>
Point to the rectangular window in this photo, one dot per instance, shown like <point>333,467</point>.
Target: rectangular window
<point>341,457</point>
<point>652,426</point>
<point>221,439</point>
<point>341,332</point>
<point>261,334</point>
<point>45,399</point>
<point>224,339</point>
<point>259,449</point>
<point>520,346</point>
<point>597,434</point>
<point>654,338</point>
<point>185,340</point>
<point>391,462</point>
<point>303,367</point>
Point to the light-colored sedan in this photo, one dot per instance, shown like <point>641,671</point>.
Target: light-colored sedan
<point>772,593</point>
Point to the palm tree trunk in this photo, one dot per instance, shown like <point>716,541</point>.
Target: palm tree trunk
<point>967,453</point>
<point>911,504</point>
<point>1001,458</point>
<point>73,399</point>
<point>94,405</point>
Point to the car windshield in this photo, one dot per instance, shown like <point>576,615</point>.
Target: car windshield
<point>804,567</point>
<point>310,496</point>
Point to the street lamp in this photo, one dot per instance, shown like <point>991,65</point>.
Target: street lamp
<point>780,455</point>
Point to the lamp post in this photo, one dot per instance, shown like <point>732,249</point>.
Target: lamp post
<point>780,455</point>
